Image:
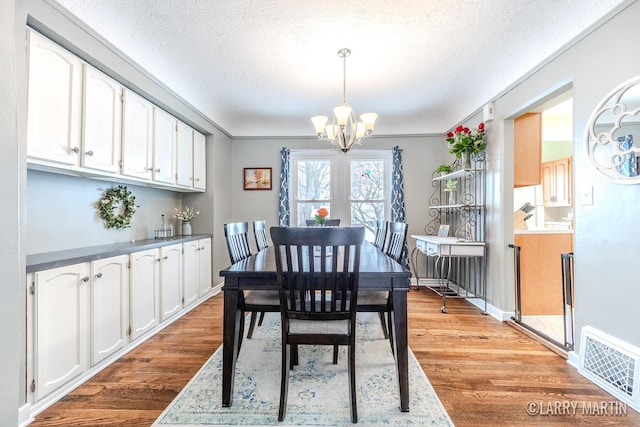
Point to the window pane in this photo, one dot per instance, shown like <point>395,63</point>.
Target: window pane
<point>308,211</point>
<point>367,179</point>
<point>366,214</point>
<point>314,180</point>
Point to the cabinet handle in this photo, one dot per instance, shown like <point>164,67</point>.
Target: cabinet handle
<point>85,279</point>
<point>197,179</point>
<point>158,170</point>
<point>165,257</point>
<point>89,153</point>
<point>158,260</point>
<point>74,150</point>
<point>99,275</point>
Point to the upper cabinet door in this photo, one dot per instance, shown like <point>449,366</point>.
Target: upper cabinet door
<point>54,102</point>
<point>199,161</point>
<point>102,122</point>
<point>164,147</point>
<point>527,149</point>
<point>184,172</point>
<point>137,136</point>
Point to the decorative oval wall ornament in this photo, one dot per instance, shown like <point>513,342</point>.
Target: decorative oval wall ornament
<point>117,207</point>
<point>612,137</point>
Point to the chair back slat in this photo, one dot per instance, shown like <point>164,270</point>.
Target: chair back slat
<point>381,234</point>
<point>397,239</point>
<point>260,233</point>
<point>237,236</point>
<point>318,271</point>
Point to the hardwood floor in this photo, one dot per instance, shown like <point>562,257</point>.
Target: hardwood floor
<point>484,371</point>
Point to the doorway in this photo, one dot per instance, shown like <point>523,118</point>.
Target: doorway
<point>543,220</point>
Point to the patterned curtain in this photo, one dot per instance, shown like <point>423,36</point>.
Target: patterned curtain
<point>284,212</point>
<point>397,196</point>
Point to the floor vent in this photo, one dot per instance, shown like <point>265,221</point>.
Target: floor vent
<point>612,364</point>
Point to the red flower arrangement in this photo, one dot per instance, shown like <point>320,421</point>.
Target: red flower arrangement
<point>465,140</point>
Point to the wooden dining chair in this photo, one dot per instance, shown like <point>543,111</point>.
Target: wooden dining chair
<point>237,237</point>
<point>381,234</point>
<point>380,301</point>
<point>260,233</point>
<point>318,294</point>
<point>397,240</point>
<point>327,222</point>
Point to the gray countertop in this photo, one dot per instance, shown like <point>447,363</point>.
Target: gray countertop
<point>48,260</point>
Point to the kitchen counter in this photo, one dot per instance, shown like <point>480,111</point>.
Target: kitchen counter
<point>48,260</point>
<point>541,270</point>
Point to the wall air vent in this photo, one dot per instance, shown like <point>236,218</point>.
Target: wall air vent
<point>611,364</point>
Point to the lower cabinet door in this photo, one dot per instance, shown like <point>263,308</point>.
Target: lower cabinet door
<point>144,292</point>
<point>109,306</point>
<point>170,280</point>
<point>190,272</point>
<point>61,340</point>
<point>204,266</point>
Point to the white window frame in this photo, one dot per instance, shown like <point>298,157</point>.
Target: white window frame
<point>340,173</point>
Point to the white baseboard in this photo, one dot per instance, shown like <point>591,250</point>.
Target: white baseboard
<point>574,359</point>
<point>24,415</point>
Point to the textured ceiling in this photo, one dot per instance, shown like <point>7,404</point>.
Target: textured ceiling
<point>264,67</point>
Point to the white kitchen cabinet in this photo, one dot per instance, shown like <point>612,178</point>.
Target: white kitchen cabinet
<point>170,280</point>
<point>199,161</point>
<point>109,306</point>
<point>137,136</point>
<point>61,326</point>
<point>184,156</point>
<point>144,292</point>
<point>54,116</point>
<point>197,270</point>
<point>190,274</point>
<point>164,146</point>
<point>102,122</point>
<point>204,266</point>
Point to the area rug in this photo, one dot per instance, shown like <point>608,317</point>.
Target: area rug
<point>318,389</point>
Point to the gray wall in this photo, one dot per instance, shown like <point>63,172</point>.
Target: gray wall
<point>606,233</point>
<point>62,214</point>
<point>420,155</point>
<point>12,313</point>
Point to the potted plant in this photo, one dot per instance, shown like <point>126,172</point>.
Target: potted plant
<point>186,216</point>
<point>444,169</point>
<point>451,188</point>
<point>465,143</point>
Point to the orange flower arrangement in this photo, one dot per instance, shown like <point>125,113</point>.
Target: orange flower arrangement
<point>321,215</point>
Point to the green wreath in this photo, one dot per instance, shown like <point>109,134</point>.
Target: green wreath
<point>111,200</point>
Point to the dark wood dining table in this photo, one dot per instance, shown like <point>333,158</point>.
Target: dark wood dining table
<point>258,272</point>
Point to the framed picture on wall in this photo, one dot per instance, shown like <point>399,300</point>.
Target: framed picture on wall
<point>257,178</point>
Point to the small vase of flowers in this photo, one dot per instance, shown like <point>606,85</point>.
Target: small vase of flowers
<point>186,216</point>
<point>321,216</point>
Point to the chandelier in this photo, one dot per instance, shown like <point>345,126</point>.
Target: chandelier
<point>345,130</point>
